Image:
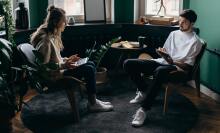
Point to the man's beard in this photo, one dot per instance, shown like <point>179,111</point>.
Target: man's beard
<point>186,29</point>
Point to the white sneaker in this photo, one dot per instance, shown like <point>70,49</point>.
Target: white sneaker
<point>139,118</point>
<point>139,98</point>
<point>106,103</point>
<point>100,107</point>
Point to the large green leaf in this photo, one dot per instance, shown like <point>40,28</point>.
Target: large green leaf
<point>5,55</point>
<point>6,45</point>
<point>39,57</point>
<point>3,84</point>
<point>52,65</point>
<point>98,54</point>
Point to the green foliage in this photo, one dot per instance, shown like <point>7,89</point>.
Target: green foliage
<point>7,93</point>
<point>41,68</point>
<point>5,9</point>
<point>15,78</point>
<point>96,55</point>
<point>5,56</point>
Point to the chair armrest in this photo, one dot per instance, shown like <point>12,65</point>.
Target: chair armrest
<point>178,76</point>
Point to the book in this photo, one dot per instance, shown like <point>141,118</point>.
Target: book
<point>126,44</point>
<point>81,61</point>
<point>164,55</point>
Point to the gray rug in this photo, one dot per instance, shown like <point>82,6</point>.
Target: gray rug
<point>50,113</point>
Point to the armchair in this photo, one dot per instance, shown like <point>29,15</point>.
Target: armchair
<point>68,83</point>
<point>177,78</point>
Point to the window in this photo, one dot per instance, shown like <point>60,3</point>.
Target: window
<point>72,7</point>
<point>173,7</point>
<point>76,8</point>
<point>15,4</point>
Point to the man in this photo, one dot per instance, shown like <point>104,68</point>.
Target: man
<point>178,53</point>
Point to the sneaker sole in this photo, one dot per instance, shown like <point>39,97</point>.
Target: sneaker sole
<point>100,110</point>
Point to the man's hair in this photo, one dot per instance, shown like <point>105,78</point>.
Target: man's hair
<point>189,15</point>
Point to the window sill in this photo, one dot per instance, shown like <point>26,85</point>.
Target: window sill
<point>20,31</point>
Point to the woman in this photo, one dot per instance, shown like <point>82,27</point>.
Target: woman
<point>47,40</point>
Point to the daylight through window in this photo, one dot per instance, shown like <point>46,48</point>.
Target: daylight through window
<point>173,7</point>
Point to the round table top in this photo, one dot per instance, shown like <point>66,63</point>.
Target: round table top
<point>130,47</point>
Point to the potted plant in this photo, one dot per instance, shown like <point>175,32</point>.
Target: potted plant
<point>7,92</point>
<point>96,55</point>
<point>8,103</point>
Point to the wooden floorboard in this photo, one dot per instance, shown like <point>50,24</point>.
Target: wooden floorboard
<point>208,121</point>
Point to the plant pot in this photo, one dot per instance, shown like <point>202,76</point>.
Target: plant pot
<point>101,75</point>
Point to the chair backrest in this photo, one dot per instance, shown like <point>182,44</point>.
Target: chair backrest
<point>29,58</point>
<point>26,50</point>
<point>195,68</point>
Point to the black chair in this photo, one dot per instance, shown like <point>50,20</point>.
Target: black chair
<point>70,84</point>
<point>178,78</point>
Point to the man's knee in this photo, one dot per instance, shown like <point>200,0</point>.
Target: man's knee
<point>161,72</point>
<point>127,65</point>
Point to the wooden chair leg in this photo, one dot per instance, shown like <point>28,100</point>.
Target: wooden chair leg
<point>168,92</point>
<point>197,83</point>
<point>72,100</point>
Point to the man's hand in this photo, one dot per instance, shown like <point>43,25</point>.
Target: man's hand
<point>183,65</point>
<point>162,52</point>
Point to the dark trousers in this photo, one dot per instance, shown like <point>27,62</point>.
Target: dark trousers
<point>87,71</point>
<point>136,67</point>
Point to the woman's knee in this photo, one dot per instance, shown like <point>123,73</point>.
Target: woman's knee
<point>89,69</point>
<point>90,63</point>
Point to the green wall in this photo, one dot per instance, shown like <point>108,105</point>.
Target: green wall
<point>209,22</point>
<point>37,9</point>
<point>124,11</point>
<point>186,4</point>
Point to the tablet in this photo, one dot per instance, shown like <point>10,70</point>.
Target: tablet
<point>81,61</point>
<point>164,54</point>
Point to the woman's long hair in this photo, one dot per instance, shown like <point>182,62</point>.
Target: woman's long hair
<point>49,27</point>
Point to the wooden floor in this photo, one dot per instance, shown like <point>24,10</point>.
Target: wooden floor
<point>208,122</point>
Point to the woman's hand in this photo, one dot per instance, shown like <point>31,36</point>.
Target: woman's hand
<point>70,62</point>
<point>73,58</point>
<point>70,65</point>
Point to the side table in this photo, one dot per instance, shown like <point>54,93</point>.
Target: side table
<point>125,51</point>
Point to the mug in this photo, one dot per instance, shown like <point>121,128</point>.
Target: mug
<point>141,40</point>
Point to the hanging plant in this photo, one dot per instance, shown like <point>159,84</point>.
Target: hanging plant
<point>6,10</point>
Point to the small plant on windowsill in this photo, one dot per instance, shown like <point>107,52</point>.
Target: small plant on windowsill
<point>96,55</point>
<point>5,10</point>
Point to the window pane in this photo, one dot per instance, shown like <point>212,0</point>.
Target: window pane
<point>72,7</point>
<point>15,4</point>
<point>76,7</point>
<point>172,7</point>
